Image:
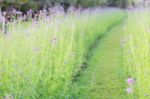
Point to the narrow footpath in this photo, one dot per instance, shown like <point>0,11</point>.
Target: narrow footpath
<point>104,77</point>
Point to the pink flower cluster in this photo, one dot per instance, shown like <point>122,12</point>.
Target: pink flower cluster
<point>130,82</point>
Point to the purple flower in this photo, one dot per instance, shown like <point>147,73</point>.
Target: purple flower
<point>130,81</point>
<point>129,90</point>
<point>71,9</point>
<point>24,17</point>
<point>19,13</point>
<point>14,11</point>
<point>29,14</point>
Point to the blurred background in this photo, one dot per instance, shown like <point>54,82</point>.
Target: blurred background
<point>25,5</point>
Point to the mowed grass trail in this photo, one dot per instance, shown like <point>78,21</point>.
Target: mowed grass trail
<point>104,77</point>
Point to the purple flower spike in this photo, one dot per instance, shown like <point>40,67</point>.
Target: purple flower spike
<point>130,81</point>
<point>129,90</point>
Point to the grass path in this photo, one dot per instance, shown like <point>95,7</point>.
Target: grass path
<point>104,77</point>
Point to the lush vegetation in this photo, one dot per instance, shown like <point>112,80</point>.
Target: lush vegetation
<point>41,59</point>
<point>136,53</point>
<point>74,52</point>
<point>104,76</point>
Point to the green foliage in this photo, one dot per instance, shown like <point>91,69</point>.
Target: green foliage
<point>40,60</point>
<point>136,52</point>
<point>95,3</point>
<point>84,3</point>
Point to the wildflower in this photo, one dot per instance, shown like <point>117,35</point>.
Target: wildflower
<point>24,17</point>
<point>44,12</point>
<point>71,9</point>
<point>19,13</point>
<point>129,90</point>
<point>29,14</point>
<point>130,81</point>
<point>14,11</point>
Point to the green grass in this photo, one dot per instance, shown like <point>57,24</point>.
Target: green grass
<point>136,53</point>
<point>104,77</point>
<point>40,60</point>
<point>89,55</point>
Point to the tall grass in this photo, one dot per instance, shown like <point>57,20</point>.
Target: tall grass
<point>137,54</point>
<point>38,60</point>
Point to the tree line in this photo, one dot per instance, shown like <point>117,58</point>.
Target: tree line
<point>25,5</point>
<point>38,4</point>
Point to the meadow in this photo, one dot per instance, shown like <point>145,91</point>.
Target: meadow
<point>92,54</point>
<point>40,59</point>
<point>136,53</point>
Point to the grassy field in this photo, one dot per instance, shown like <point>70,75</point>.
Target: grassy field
<point>40,60</point>
<point>95,54</point>
<point>136,53</point>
